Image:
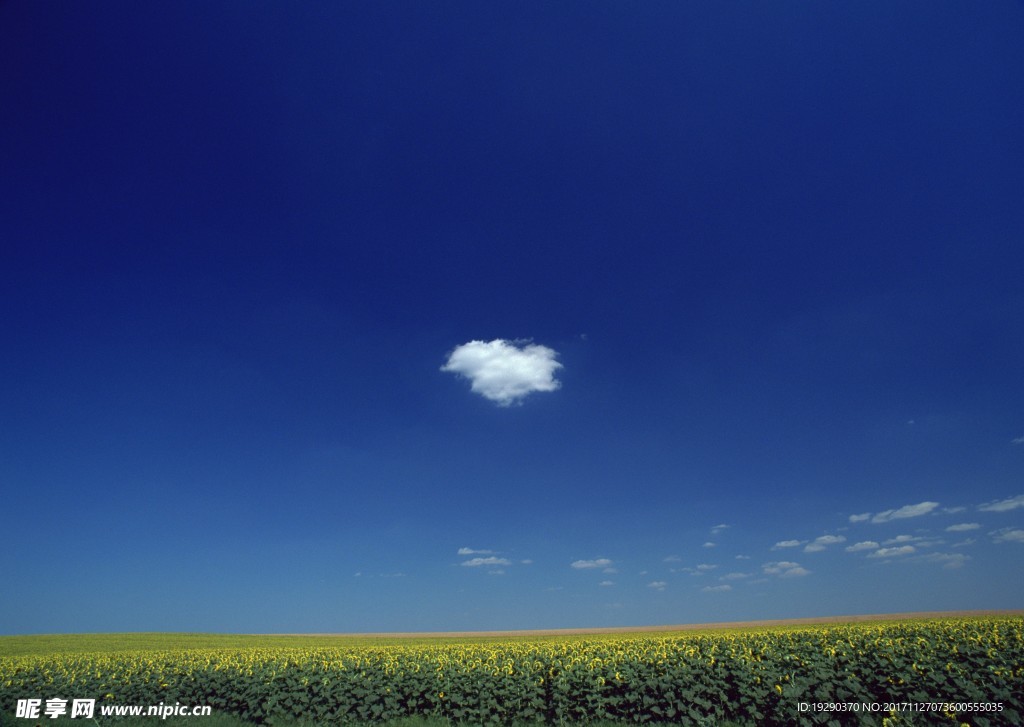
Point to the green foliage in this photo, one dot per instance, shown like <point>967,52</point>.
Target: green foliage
<point>747,677</point>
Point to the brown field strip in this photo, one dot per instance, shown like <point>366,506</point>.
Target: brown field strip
<point>765,623</point>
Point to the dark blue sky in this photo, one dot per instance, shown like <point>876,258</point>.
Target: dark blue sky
<point>775,247</point>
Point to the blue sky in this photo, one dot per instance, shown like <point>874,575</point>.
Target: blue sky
<point>406,316</point>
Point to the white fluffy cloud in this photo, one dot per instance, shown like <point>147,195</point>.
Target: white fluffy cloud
<point>504,372</point>
<point>902,539</point>
<point>473,551</point>
<point>1010,503</point>
<point>921,508</point>
<point>860,517</point>
<point>657,585</point>
<point>716,589</point>
<point>788,544</point>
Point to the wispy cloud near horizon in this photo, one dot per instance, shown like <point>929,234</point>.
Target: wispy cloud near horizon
<point>595,563</point>
<point>962,527</point>
<point>1008,535</point>
<point>862,546</point>
<point>889,552</point>
<point>1010,503</point>
<point>784,569</point>
<point>823,542</point>
<point>921,508</point>
<point>490,560</point>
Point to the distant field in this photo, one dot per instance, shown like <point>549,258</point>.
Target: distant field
<point>970,665</point>
<point>106,643</point>
<point>661,630</point>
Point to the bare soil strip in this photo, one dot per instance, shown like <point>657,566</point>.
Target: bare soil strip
<point>679,627</point>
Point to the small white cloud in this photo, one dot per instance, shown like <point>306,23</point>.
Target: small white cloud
<point>742,557</point>
<point>733,576</point>
<point>708,544</point>
<point>699,571</point>
<point>860,518</point>
<point>888,552</point>
<point>788,544</point>
<point>823,542</point>
<point>717,589</point>
<point>921,508</point>
<point>705,567</point>
<point>719,528</point>
<point>671,559</point>
<point>962,527</point>
<point>490,560</point>
<point>657,585</point>
<point>965,543</point>
<point>902,539</point>
<point>503,372</point>
<point>953,510</point>
<point>795,572</point>
<point>784,569</point>
<point>1008,535</point>
<point>951,561</point>
<point>606,583</point>
<point>526,561</point>
<point>862,545</point>
<point>472,551</point>
<point>1010,503</point>
<point>917,540</point>
<point>596,563</point>
<point>1017,440</point>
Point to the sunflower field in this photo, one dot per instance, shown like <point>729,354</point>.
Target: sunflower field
<point>943,672</point>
